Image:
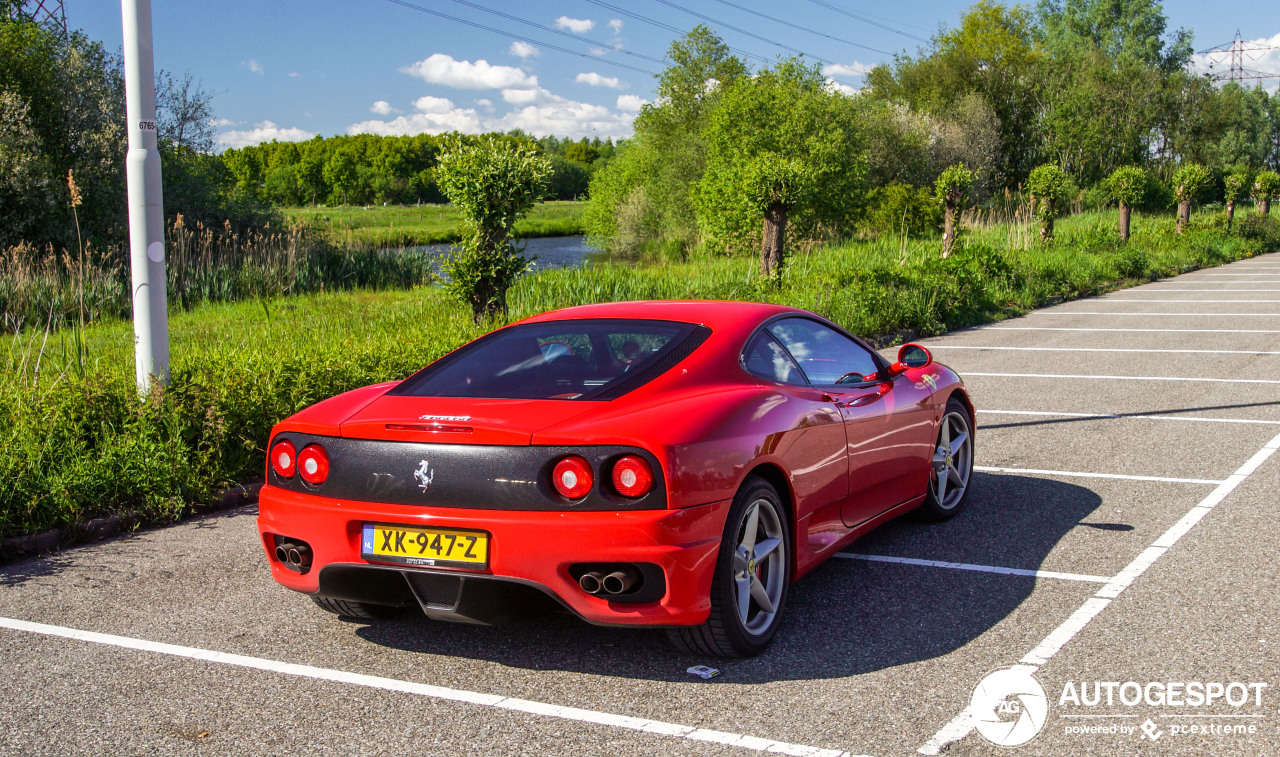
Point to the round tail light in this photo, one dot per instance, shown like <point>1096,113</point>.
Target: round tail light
<point>572,477</point>
<point>313,464</point>
<point>632,476</point>
<point>284,458</point>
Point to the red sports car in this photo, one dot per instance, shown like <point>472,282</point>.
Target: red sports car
<point>674,464</point>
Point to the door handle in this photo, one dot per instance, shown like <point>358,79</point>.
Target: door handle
<point>866,399</point>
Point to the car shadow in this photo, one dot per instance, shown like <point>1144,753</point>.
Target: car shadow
<point>846,618</point>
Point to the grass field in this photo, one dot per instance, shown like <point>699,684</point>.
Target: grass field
<point>406,226</point>
<point>78,444</point>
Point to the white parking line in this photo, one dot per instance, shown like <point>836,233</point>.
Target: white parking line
<point>1165,290</point>
<point>1176,315</point>
<point>435,692</point>
<point>1135,416</point>
<point>1101,349</point>
<point>977,568</point>
<point>1132,331</point>
<point>1124,378</point>
<point>962,724</point>
<point>1080,474</point>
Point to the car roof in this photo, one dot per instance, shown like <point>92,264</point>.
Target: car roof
<point>712,313</point>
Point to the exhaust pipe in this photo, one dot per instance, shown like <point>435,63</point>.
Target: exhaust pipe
<point>296,556</point>
<point>591,582</point>
<point>619,581</point>
<point>300,555</point>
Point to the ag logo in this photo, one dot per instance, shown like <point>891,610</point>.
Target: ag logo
<point>1009,707</point>
<point>424,475</point>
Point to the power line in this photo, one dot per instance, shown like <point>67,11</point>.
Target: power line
<point>518,37</point>
<point>766,40</point>
<point>667,27</point>
<point>575,37</point>
<point>801,28</point>
<point>866,20</point>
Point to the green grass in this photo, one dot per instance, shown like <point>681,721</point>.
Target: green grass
<point>77,444</point>
<point>406,226</point>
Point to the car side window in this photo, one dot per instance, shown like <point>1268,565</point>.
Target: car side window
<point>765,358</point>
<point>824,354</point>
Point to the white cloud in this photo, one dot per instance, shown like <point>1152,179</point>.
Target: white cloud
<point>616,25</point>
<point>382,108</point>
<point>536,111</point>
<point>576,25</point>
<point>1219,65</point>
<point>485,103</point>
<point>218,122</point>
<point>429,104</point>
<point>854,69</point>
<point>294,74</point>
<point>523,50</point>
<point>527,96</point>
<point>463,74</point>
<point>834,86</point>
<point>458,119</point>
<point>632,103</point>
<point>253,66</point>
<point>596,51</point>
<point>264,131</point>
<point>596,80</point>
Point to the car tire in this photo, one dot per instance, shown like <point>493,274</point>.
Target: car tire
<point>744,577</point>
<point>946,497</point>
<point>361,610</point>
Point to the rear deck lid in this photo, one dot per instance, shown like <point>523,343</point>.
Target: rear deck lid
<point>459,420</point>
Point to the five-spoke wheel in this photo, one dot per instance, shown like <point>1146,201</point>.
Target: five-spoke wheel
<point>952,464</point>
<point>753,573</point>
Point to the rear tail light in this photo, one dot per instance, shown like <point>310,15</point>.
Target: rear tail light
<point>632,476</point>
<point>284,459</point>
<point>572,477</point>
<point>313,464</point>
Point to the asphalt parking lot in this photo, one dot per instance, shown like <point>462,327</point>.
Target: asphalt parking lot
<point>1124,528</point>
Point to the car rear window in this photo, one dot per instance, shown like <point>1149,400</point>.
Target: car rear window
<point>560,360</point>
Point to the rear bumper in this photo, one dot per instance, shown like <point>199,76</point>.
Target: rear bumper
<point>535,549</point>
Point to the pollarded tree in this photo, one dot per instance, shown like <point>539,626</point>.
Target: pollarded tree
<point>1188,182</point>
<point>1127,184</point>
<point>1233,184</point>
<point>950,190</point>
<point>493,182</point>
<point>782,151</point>
<point>1050,187</point>
<point>1266,187</point>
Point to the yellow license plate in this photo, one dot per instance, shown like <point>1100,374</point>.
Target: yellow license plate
<point>425,546</point>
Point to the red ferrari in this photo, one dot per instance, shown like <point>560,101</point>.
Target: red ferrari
<point>674,464</point>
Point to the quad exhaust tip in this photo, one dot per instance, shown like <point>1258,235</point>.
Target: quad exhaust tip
<point>591,582</point>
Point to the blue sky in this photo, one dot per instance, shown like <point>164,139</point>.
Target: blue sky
<point>288,69</point>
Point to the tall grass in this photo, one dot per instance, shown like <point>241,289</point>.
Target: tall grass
<point>202,265</point>
<point>78,443</point>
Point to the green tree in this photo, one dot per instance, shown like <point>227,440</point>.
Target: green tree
<point>781,148</point>
<point>1127,184</point>
<point>991,56</point>
<point>493,182</point>
<point>341,173</point>
<point>1050,187</point>
<point>1266,187</point>
<point>1188,182</point>
<point>654,177</point>
<point>950,190</point>
<point>1233,184</point>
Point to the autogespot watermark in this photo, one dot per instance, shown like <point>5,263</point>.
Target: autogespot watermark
<point>1010,708</point>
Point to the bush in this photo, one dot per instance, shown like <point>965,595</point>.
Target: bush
<point>899,208</point>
